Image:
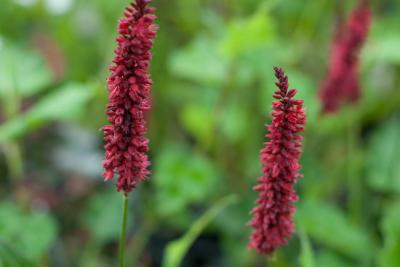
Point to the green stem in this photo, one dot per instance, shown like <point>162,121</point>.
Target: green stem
<point>122,238</point>
<point>354,178</point>
<point>10,107</point>
<point>272,260</point>
<point>14,160</point>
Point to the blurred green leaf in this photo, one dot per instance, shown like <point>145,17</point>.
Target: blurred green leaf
<point>307,253</point>
<point>13,128</point>
<point>200,62</point>
<point>383,44</point>
<point>11,258</point>
<point>389,255</point>
<point>102,214</point>
<point>245,34</point>
<point>306,87</point>
<point>199,121</point>
<point>22,70</point>
<point>383,170</point>
<point>183,177</point>
<point>31,234</point>
<point>62,104</point>
<point>385,50</point>
<point>177,249</point>
<point>66,103</point>
<point>187,12</point>
<point>234,122</point>
<point>328,225</point>
<point>327,258</point>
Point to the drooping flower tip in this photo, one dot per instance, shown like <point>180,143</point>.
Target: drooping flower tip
<point>273,216</point>
<point>129,87</point>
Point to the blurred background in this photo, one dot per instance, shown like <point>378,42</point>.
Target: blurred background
<point>213,82</point>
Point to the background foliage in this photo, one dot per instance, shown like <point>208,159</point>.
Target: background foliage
<point>213,81</point>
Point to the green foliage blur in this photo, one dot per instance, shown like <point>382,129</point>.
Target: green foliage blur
<point>213,81</point>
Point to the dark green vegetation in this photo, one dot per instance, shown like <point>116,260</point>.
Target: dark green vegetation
<point>213,82</point>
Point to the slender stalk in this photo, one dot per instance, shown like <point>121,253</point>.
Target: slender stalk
<point>12,153</point>
<point>122,238</point>
<point>354,176</point>
<point>272,260</point>
<point>10,107</point>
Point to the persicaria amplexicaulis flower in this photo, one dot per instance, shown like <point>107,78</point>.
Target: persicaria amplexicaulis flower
<point>273,216</point>
<point>129,91</point>
<point>341,84</point>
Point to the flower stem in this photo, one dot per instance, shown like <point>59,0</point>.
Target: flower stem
<point>272,260</point>
<point>354,176</point>
<point>122,238</point>
<point>14,160</point>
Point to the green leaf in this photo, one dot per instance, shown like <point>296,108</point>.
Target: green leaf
<point>328,258</point>
<point>200,62</point>
<point>199,121</point>
<point>177,249</point>
<point>383,44</point>
<point>63,104</point>
<point>383,170</point>
<point>31,234</point>
<point>66,103</point>
<point>11,258</point>
<point>389,255</point>
<point>234,122</point>
<point>306,87</point>
<point>102,214</point>
<point>307,253</point>
<point>22,70</point>
<point>183,177</point>
<point>245,34</point>
<point>328,225</point>
<point>42,232</point>
<point>13,128</point>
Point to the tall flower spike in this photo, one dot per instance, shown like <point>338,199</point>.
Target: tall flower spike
<point>341,83</point>
<point>273,216</point>
<point>129,91</point>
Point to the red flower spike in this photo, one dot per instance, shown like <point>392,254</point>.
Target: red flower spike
<point>129,91</point>
<point>273,216</point>
<point>341,84</point>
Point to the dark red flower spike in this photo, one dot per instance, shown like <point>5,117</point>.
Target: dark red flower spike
<point>341,84</point>
<point>273,216</point>
<point>129,91</point>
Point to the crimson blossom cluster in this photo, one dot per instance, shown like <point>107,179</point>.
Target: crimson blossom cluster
<point>273,216</point>
<point>341,83</point>
<point>129,98</point>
